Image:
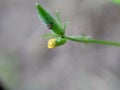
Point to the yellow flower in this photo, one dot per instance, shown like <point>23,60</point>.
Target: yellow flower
<point>52,43</point>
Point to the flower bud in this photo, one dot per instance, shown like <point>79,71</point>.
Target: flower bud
<point>54,42</point>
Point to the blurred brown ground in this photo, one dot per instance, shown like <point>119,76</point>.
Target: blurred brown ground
<point>27,64</point>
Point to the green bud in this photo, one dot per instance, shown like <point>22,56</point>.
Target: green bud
<point>60,41</point>
<point>51,22</point>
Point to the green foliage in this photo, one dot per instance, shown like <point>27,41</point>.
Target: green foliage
<point>116,1</point>
<point>52,22</point>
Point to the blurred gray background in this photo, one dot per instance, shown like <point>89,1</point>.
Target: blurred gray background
<point>27,64</point>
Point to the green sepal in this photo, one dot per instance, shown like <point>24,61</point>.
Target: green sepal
<point>81,38</point>
<point>51,22</point>
<point>65,25</point>
<point>60,41</point>
<point>49,36</point>
<point>58,17</point>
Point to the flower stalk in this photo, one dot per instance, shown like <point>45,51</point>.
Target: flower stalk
<point>92,41</point>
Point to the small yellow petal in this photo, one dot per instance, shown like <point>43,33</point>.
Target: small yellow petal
<point>52,43</point>
<point>51,46</point>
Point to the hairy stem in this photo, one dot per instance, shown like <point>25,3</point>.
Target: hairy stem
<point>93,41</point>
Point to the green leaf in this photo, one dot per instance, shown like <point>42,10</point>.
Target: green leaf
<point>51,22</point>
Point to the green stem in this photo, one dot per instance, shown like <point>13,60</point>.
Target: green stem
<point>93,41</point>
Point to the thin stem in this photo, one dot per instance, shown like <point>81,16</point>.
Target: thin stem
<point>95,41</point>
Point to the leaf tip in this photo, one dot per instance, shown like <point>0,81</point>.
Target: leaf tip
<point>36,4</point>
